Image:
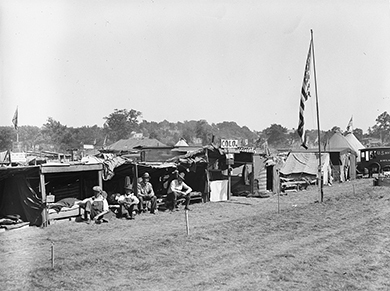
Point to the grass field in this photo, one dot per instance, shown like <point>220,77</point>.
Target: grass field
<point>342,243</point>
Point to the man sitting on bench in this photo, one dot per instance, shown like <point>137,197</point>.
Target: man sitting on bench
<point>178,189</point>
<point>146,193</point>
<point>96,207</point>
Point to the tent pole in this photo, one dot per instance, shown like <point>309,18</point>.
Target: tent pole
<point>320,188</point>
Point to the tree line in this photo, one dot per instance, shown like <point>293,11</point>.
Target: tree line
<point>123,123</point>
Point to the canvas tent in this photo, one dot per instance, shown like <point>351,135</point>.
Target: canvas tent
<point>341,142</point>
<point>355,143</point>
<point>305,164</point>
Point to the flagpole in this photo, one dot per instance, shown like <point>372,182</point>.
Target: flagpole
<point>320,188</point>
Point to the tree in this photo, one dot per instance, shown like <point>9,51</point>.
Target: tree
<point>204,131</point>
<point>30,136</point>
<point>276,135</point>
<point>53,133</point>
<point>7,135</point>
<point>121,123</point>
<point>358,132</point>
<point>382,127</point>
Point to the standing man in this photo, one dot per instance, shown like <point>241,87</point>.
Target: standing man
<point>146,193</point>
<point>178,189</point>
<point>96,207</point>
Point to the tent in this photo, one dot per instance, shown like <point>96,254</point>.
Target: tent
<point>341,142</point>
<point>181,143</point>
<point>355,143</point>
<point>305,164</point>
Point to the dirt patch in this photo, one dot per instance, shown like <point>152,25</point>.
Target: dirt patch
<point>243,244</point>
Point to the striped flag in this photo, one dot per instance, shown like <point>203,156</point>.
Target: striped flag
<point>350,125</point>
<point>15,119</point>
<point>305,94</point>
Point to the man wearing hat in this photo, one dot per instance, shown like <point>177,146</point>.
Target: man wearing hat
<point>146,193</point>
<point>178,189</point>
<point>127,202</point>
<point>96,207</point>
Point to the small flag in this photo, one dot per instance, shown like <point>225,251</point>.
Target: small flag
<point>15,119</point>
<point>305,94</point>
<point>350,125</point>
<point>267,151</point>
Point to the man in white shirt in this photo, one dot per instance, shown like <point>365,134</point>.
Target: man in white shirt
<point>97,207</point>
<point>179,189</point>
<point>127,203</point>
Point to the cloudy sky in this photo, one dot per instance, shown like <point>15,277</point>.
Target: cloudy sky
<point>243,61</point>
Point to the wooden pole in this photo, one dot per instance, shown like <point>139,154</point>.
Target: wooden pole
<point>43,194</point>
<point>320,188</point>
<point>278,202</point>
<point>187,222</point>
<point>52,254</point>
<point>229,183</point>
<point>253,175</point>
<point>135,183</point>
<point>100,179</point>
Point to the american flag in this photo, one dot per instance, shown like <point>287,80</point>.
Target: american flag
<point>15,119</point>
<point>305,94</point>
<point>350,125</point>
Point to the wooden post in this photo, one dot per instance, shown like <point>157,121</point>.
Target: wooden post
<point>207,177</point>
<point>100,179</point>
<point>135,180</point>
<point>252,183</point>
<point>229,183</point>
<point>52,254</point>
<point>43,194</point>
<point>187,222</point>
<point>278,201</point>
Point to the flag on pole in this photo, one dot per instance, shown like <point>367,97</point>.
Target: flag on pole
<point>305,94</point>
<point>15,119</point>
<point>267,151</point>
<point>350,125</point>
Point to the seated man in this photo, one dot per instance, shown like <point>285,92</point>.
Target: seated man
<point>178,189</point>
<point>146,193</point>
<point>127,203</point>
<point>96,207</point>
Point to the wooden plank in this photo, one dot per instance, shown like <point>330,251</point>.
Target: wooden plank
<point>43,194</point>
<point>71,168</point>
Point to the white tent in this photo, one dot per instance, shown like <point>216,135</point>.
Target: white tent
<point>355,143</point>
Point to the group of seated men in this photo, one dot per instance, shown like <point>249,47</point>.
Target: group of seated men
<point>97,208</point>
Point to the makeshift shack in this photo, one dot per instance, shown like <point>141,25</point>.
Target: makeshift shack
<point>24,190</point>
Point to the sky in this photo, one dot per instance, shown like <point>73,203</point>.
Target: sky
<point>243,61</point>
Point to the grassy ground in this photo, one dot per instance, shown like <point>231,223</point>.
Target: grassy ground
<point>242,244</point>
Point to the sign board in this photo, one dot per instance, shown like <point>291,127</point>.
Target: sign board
<point>18,158</point>
<point>229,143</point>
<point>229,159</point>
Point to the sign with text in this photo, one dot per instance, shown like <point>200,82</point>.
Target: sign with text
<point>229,143</point>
